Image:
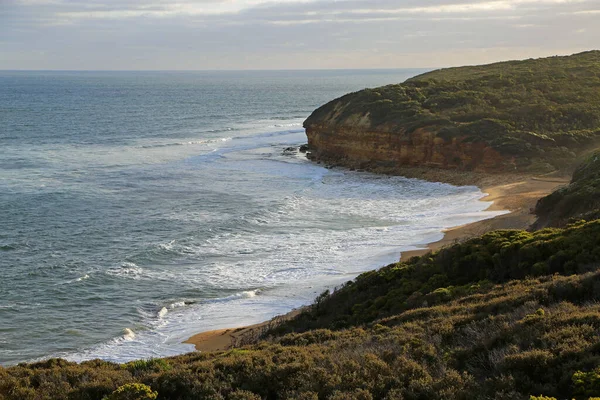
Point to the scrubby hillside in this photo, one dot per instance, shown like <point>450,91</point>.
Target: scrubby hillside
<point>531,115</point>
<point>579,200</point>
<point>503,316</point>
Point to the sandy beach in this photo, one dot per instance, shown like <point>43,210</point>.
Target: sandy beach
<point>225,339</point>
<point>517,194</point>
<point>518,197</point>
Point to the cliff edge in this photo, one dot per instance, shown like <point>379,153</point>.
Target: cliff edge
<point>528,116</point>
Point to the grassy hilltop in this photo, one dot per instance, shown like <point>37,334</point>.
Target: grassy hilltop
<point>542,112</point>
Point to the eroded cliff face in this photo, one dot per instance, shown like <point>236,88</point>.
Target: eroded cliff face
<point>359,146</point>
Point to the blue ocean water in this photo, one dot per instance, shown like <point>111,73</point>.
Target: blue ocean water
<point>139,208</point>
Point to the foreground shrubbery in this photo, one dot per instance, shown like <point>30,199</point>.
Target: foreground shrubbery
<point>469,322</point>
<point>536,111</point>
<point>502,342</point>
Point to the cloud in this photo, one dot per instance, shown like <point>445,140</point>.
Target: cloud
<point>185,34</point>
<point>586,12</point>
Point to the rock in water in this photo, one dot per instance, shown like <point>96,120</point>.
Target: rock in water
<point>289,150</point>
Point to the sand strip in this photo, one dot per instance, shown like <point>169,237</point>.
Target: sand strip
<point>225,339</point>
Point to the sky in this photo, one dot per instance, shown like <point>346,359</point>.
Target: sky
<point>288,34</point>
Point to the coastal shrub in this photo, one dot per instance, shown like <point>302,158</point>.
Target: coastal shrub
<point>142,366</point>
<point>492,343</point>
<point>133,391</point>
<point>587,383</point>
<point>243,395</point>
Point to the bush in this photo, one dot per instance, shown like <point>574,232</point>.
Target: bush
<point>133,391</point>
<point>587,383</point>
<point>139,367</point>
<point>578,201</point>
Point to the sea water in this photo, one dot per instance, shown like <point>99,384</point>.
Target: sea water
<point>139,208</point>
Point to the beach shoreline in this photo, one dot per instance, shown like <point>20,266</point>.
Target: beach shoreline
<point>518,197</point>
<point>516,194</point>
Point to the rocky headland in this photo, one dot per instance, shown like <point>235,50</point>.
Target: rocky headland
<point>532,116</point>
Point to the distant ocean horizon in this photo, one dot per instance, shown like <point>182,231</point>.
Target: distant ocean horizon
<point>141,207</point>
<point>402,71</point>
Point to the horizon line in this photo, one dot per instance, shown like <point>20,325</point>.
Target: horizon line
<point>214,70</point>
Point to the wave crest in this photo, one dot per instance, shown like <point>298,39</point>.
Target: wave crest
<point>126,270</point>
<point>248,294</point>
<point>128,334</point>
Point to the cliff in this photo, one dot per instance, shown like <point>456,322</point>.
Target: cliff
<point>516,116</point>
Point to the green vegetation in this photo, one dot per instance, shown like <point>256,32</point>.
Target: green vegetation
<point>132,391</point>
<point>539,112</point>
<point>578,201</point>
<point>140,367</point>
<point>509,315</point>
<point>587,383</point>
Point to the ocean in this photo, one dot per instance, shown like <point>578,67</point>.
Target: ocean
<point>140,208</point>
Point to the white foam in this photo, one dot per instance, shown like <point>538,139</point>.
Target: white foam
<point>167,246</point>
<point>128,334</point>
<point>177,304</point>
<point>81,278</point>
<point>126,270</point>
<point>186,143</point>
<point>163,311</point>
<point>248,294</point>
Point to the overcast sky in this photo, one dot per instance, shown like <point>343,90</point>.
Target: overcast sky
<point>288,34</point>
